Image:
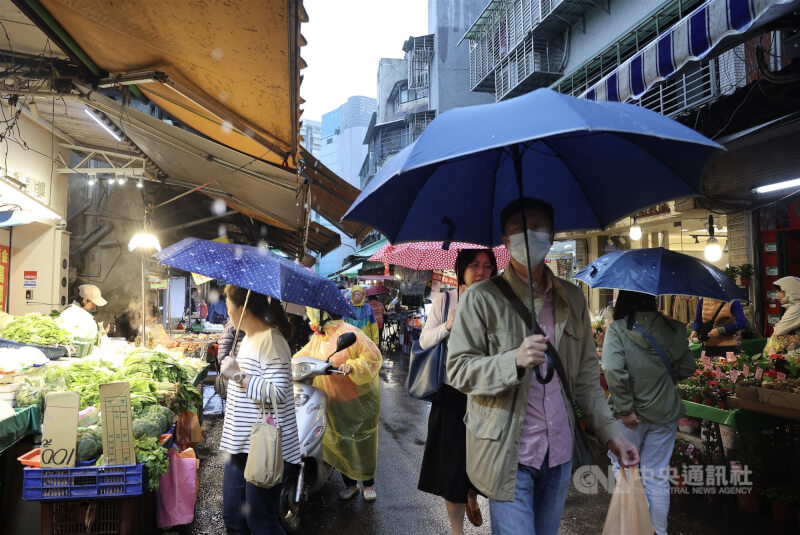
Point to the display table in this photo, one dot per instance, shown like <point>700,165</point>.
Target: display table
<point>712,414</point>
<point>25,422</point>
<point>750,346</point>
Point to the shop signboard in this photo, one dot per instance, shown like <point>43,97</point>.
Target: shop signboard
<point>772,271</point>
<point>771,247</point>
<point>158,284</point>
<point>5,258</point>
<point>444,278</point>
<point>772,319</point>
<point>29,279</point>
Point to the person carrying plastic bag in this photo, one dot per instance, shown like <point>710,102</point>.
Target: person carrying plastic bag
<point>350,444</point>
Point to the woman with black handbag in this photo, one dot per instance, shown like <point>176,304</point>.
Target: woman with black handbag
<point>444,470</point>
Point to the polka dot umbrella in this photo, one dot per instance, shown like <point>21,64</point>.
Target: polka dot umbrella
<point>430,255</point>
<point>256,269</point>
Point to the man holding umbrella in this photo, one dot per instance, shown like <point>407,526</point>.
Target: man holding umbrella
<point>520,430</point>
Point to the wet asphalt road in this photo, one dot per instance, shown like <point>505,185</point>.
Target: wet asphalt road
<point>401,509</point>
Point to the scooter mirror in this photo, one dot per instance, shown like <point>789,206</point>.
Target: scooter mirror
<point>345,340</point>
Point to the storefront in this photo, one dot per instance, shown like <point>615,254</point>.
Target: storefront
<point>779,251</point>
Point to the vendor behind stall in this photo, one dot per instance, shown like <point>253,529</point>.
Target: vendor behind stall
<point>217,310</point>
<point>718,326</point>
<point>78,317</point>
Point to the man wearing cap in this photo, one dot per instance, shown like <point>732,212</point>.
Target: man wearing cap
<point>77,318</point>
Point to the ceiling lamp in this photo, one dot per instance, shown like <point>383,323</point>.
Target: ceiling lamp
<point>636,231</point>
<point>144,241</point>
<point>713,250</point>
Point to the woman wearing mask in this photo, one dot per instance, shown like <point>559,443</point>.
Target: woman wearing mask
<point>444,470</point>
<point>350,444</point>
<point>261,369</point>
<point>789,296</point>
<point>642,387</point>
<point>78,318</point>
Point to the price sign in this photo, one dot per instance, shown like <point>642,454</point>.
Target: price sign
<point>759,373</point>
<point>60,432</point>
<point>730,356</point>
<point>735,375</point>
<point>781,376</point>
<point>718,372</point>
<point>746,370</point>
<point>706,362</point>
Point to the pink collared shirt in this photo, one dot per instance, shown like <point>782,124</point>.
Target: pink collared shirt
<point>546,424</point>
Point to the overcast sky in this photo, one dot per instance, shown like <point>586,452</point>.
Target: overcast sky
<point>346,38</point>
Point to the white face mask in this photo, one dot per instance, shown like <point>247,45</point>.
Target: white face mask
<point>538,242</point>
<point>213,296</point>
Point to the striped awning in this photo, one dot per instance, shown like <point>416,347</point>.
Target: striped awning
<point>707,29</point>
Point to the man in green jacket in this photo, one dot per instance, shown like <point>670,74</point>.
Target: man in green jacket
<point>519,432</point>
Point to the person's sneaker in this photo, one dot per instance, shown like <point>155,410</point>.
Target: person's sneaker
<point>369,494</point>
<point>348,492</point>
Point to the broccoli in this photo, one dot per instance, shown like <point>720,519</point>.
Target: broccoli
<point>160,415</point>
<point>145,428</point>
<point>90,443</point>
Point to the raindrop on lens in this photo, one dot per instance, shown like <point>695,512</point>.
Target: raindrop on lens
<point>222,231</point>
<point>216,54</point>
<point>227,127</point>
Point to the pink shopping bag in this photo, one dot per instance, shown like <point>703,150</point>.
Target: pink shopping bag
<point>178,491</point>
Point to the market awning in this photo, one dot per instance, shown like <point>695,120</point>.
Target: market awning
<point>320,239</point>
<point>708,29</point>
<point>232,68</point>
<point>331,196</point>
<point>350,271</point>
<point>252,187</point>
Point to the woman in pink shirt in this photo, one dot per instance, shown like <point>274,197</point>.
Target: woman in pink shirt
<point>444,469</point>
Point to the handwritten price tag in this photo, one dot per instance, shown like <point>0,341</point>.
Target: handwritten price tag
<point>781,376</point>
<point>706,362</point>
<point>703,354</point>
<point>746,370</point>
<point>759,373</point>
<point>735,375</point>
<point>730,356</point>
<point>718,372</point>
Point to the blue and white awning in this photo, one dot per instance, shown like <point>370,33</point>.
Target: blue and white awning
<point>691,39</point>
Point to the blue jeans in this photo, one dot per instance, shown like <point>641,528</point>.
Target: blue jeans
<point>538,503</point>
<point>247,508</point>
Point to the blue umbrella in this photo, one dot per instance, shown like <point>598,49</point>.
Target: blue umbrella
<point>256,269</point>
<point>595,162</point>
<point>659,271</point>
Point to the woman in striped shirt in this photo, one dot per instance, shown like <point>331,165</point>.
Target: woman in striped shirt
<point>263,363</point>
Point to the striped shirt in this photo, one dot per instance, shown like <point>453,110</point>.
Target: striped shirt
<point>266,358</point>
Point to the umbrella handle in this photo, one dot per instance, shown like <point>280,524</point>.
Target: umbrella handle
<point>550,370</point>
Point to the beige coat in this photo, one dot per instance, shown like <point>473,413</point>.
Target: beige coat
<point>481,362</point>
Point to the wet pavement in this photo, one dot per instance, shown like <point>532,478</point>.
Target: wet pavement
<point>402,509</point>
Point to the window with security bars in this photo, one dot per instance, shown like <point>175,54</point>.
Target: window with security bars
<point>419,56</point>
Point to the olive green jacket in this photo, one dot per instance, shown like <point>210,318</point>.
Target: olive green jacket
<point>481,363</point>
<point>637,378</point>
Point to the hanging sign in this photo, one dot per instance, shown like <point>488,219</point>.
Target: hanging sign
<point>772,271</point>
<point>5,257</point>
<point>200,279</point>
<point>771,247</point>
<point>438,276</point>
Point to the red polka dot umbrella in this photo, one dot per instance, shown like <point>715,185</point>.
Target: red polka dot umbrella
<point>430,255</point>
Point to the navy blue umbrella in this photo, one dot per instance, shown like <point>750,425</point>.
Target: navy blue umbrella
<point>595,162</point>
<point>659,271</point>
<point>256,269</point>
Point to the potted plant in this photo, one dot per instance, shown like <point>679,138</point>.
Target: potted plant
<point>782,499</point>
<point>697,394</point>
<point>732,272</point>
<point>745,272</point>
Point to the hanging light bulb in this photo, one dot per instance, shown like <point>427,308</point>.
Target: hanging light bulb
<point>636,231</point>
<point>713,250</point>
<point>140,183</point>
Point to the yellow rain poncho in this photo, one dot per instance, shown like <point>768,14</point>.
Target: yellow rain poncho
<point>365,316</point>
<point>350,444</point>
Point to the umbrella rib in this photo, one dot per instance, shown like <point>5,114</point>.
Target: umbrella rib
<point>575,176</point>
<point>494,191</point>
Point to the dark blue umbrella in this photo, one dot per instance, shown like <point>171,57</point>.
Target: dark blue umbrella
<point>256,269</point>
<point>659,271</point>
<point>595,162</point>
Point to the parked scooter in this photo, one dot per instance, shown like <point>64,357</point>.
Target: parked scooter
<point>311,405</point>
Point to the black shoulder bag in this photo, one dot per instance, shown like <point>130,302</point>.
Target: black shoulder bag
<point>706,327</point>
<point>585,450</point>
<point>426,367</point>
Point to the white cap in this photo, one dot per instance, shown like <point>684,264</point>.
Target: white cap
<point>92,293</point>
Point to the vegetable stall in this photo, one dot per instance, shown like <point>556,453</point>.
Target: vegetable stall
<point>38,358</point>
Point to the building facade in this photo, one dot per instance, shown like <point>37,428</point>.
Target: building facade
<point>311,132</point>
<point>723,67</point>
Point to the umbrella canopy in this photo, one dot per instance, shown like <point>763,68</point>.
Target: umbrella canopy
<point>430,255</point>
<point>256,269</point>
<point>595,162</point>
<point>376,289</point>
<point>659,271</point>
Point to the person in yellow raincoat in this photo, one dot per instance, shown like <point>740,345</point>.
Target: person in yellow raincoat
<point>350,444</point>
<point>365,316</point>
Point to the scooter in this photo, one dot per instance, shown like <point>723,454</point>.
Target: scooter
<point>311,405</point>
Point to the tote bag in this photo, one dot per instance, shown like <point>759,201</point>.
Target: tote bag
<point>264,467</point>
<point>426,367</point>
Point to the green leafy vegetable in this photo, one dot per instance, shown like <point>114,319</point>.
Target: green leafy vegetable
<point>90,443</point>
<point>154,455</point>
<point>38,329</point>
<point>145,428</point>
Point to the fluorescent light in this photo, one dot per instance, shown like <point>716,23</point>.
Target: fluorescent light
<point>143,240</point>
<point>713,251</point>
<point>785,184</point>
<point>101,123</point>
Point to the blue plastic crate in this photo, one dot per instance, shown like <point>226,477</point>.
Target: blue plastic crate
<point>80,483</point>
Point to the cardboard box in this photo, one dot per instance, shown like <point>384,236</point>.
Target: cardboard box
<point>747,392</point>
<point>60,433</point>
<point>117,418</point>
<point>779,398</point>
